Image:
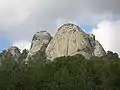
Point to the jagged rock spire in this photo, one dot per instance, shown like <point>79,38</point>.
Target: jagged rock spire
<point>39,43</point>
<point>14,51</point>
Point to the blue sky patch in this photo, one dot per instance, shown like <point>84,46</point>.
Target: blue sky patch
<point>87,28</point>
<point>4,43</point>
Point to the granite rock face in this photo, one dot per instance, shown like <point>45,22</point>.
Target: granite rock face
<point>39,43</point>
<point>99,51</point>
<point>14,51</point>
<point>70,40</point>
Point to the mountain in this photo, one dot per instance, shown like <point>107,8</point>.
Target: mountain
<point>70,49</point>
<point>70,40</point>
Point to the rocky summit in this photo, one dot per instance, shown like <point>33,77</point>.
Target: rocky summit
<point>39,43</point>
<point>70,40</point>
<point>14,51</point>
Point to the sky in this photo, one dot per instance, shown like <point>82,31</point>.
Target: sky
<point>20,19</point>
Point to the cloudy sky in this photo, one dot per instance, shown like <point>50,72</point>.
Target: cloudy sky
<point>20,19</point>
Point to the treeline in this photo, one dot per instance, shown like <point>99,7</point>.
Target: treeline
<point>64,73</point>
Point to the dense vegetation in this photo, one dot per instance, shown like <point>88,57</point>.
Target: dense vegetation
<point>64,73</point>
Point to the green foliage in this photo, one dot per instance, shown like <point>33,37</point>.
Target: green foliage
<point>64,73</point>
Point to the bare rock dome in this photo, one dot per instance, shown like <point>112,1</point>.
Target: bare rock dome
<point>70,40</point>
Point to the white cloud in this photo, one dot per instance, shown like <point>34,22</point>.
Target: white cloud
<point>108,34</point>
<point>22,45</point>
<point>19,19</point>
<point>14,12</point>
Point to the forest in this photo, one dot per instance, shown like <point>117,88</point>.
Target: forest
<point>64,73</point>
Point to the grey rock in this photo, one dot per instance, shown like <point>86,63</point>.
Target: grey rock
<point>70,40</point>
<point>99,51</point>
<point>39,43</point>
<point>92,42</point>
<point>14,51</point>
